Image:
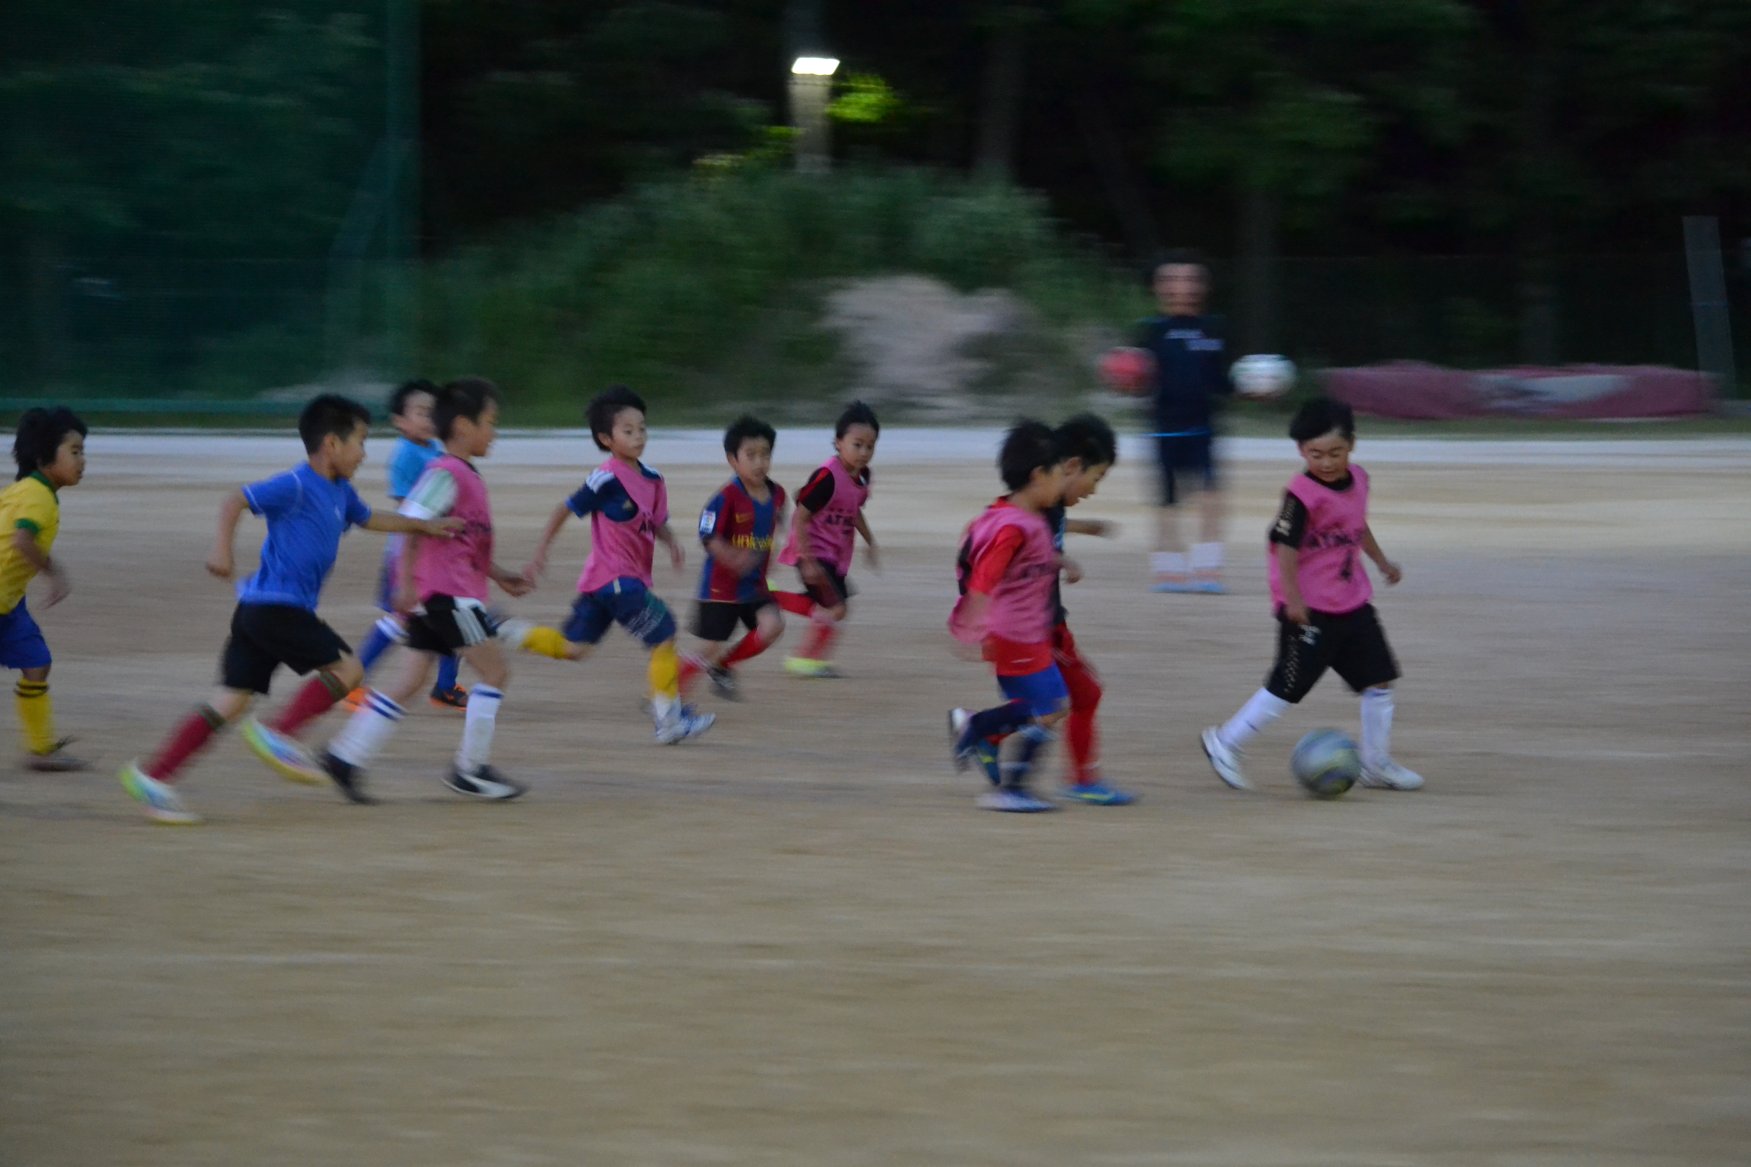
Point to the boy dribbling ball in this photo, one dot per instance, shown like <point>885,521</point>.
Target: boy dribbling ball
<point>1320,593</point>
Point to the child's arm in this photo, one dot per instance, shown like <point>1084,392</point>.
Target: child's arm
<point>405,595</point>
<point>1072,570</point>
<point>24,542</point>
<point>870,553</point>
<point>1289,568</point>
<point>442,528</point>
<point>220,560</point>
<point>666,537</point>
<point>538,562</point>
<point>1100,528</point>
<point>1389,570</point>
<point>515,583</point>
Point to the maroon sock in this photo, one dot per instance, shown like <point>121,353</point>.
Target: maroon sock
<point>312,701</point>
<point>796,603</point>
<point>187,740</point>
<point>749,646</point>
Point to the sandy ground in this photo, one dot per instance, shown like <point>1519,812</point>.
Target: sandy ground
<point>797,942</point>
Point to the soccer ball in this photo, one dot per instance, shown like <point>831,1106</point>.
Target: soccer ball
<point>1128,370</point>
<point>1262,375</point>
<point>1326,763</point>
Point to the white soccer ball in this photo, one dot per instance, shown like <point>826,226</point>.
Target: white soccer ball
<point>1262,375</point>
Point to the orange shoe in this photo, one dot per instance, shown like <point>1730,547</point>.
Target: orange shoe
<point>353,700</point>
<point>454,698</point>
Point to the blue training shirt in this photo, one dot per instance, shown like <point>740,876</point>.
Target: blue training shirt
<point>408,462</point>
<point>306,516</point>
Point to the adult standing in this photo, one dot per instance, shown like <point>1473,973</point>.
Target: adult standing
<point>1191,376</point>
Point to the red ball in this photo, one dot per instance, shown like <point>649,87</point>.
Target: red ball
<point>1128,370</point>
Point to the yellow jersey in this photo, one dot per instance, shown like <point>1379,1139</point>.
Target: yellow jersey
<point>30,504</point>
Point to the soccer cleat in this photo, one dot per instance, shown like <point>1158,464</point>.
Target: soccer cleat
<point>283,754</point>
<point>157,799</point>
<point>1224,760</point>
<point>353,700</point>
<point>1173,583</point>
<point>1208,586</point>
<point>683,723</point>
<point>1014,799</point>
<point>724,683</point>
<point>1389,775</point>
<point>1099,794</point>
<point>802,666</point>
<point>56,760</point>
<point>348,778</point>
<point>960,751</point>
<point>455,697</point>
<point>486,783</point>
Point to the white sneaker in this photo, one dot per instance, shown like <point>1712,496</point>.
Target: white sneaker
<point>160,802</point>
<point>683,723</point>
<point>1389,775</point>
<point>1014,800</point>
<point>1224,760</point>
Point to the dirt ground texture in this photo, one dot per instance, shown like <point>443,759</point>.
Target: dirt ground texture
<point>796,941</point>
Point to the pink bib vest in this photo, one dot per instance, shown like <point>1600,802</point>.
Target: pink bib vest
<point>1332,576</point>
<point>458,566</point>
<point>833,529</point>
<point>1021,603</point>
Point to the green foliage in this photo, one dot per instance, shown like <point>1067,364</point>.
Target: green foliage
<point>708,289</point>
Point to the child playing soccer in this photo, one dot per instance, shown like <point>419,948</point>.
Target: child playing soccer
<point>1089,450</point>
<point>628,507</point>
<point>442,586</point>
<point>1007,567</point>
<point>49,448</point>
<point>737,528</point>
<point>829,510</point>
<point>1321,594</point>
<point>410,412</point>
<point>307,510</point>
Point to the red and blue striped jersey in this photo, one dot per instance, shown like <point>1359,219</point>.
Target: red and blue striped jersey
<point>734,516</point>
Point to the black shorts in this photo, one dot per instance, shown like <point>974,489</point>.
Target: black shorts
<point>1189,455</point>
<point>832,591</point>
<point>716,620</point>
<point>1352,645</point>
<point>266,636</point>
<point>447,624</point>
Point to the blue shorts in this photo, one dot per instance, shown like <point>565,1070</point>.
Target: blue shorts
<point>21,642</point>
<point>1043,692</point>
<point>625,602</point>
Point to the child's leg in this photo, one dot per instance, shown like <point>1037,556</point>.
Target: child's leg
<point>590,618</point>
<point>385,633</point>
<point>36,716</point>
<point>1082,762</point>
<point>1377,708</point>
<point>331,683</point>
<point>195,732</point>
<point>449,670</point>
<point>487,659</point>
<point>366,732</point>
<point>714,622</point>
<point>768,627</point>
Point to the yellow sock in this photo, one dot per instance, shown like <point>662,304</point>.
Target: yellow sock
<point>665,671</point>
<point>544,641</point>
<point>36,713</point>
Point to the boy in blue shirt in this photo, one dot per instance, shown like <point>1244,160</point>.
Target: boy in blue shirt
<point>410,412</point>
<point>307,510</point>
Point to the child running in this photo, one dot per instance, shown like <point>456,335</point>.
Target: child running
<point>737,527</point>
<point>627,504</point>
<point>442,586</point>
<point>410,412</point>
<point>49,448</point>
<point>829,512</point>
<point>1320,594</point>
<point>1089,450</point>
<point>307,510</point>
<point>1006,569</point>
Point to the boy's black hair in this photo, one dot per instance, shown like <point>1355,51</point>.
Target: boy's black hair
<point>857,413</point>
<point>746,428</point>
<point>606,405</point>
<point>1321,416</point>
<point>1089,438</point>
<point>1179,255</point>
<point>398,399</point>
<point>327,414</point>
<point>1028,446</point>
<point>40,434</point>
<point>464,397</point>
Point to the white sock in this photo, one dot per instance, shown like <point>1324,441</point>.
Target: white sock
<point>367,730</point>
<point>1170,563</point>
<point>663,707</point>
<point>477,728</point>
<point>1206,557</point>
<point>1260,710</point>
<point>1376,726</point>
<point>393,628</point>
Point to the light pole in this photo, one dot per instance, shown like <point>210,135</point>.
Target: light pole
<point>811,80</point>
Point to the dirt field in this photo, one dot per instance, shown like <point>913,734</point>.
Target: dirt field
<point>797,942</point>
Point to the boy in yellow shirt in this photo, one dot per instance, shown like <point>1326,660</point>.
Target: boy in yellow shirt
<point>50,450</point>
